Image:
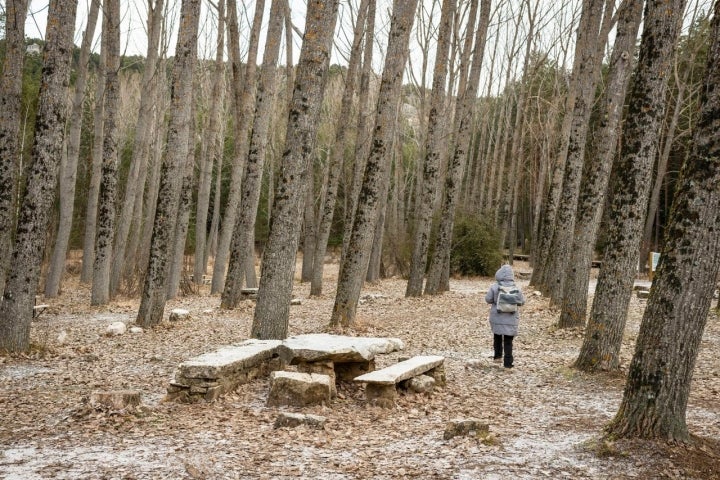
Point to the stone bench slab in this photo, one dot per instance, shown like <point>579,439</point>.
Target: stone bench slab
<point>402,370</point>
<point>225,360</point>
<point>336,348</point>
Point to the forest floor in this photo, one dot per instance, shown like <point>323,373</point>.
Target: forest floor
<point>545,418</point>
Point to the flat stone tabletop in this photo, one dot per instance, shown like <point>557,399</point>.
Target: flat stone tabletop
<point>318,347</point>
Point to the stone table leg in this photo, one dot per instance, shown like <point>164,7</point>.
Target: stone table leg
<point>325,368</point>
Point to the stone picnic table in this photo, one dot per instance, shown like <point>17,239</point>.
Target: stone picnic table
<point>338,356</point>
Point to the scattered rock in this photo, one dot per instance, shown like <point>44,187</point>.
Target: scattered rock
<point>292,420</point>
<point>472,427</point>
<point>643,294</point>
<point>421,384</point>
<point>115,328</point>
<point>298,389</point>
<point>179,314</point>
<point>296,301</point>
<point>537,293</point>
<point>62,338</point>
<point>115,399</point>
<point>136,330</point>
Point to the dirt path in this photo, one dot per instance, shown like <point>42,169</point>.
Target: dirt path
<point>543,416</point>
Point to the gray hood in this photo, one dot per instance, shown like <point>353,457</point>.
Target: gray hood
<point>505,274</point>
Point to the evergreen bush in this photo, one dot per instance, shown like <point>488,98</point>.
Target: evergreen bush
<point>475,249</point>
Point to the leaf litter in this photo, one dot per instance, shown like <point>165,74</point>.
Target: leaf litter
<point>545,418</point>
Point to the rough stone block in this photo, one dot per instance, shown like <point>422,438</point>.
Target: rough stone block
<point>179,314</point>
<point>348,371</point>
<point>115,328</point>
<point>421,384</point>
<point>298,389</point>
<point>381,395</point>
<point>115,399</point>
<point>293,420</point>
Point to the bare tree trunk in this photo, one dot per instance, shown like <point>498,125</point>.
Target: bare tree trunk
<point>433,152</point>
<point>95,174</point>
<point>585,75</point>
<point>211,137</point>
<point>597,175</point>
<point>16,309</point>
<point>646,106</point>
<point>363,133</point>
<point>244,96</point>
<point>655,399</point>
<point>243,241</point>
<point>68,168</point>
<point>276,283</point>
<point>183,217</point>
<point>342,140</point>
<point>108,183</point>
<point>10,106</point>
<point>309,231</point>
<point>439,265</point>
<point>154,293</point>
<point>141,146</point>
<point>354,263</point>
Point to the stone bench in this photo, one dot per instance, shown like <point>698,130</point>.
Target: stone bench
<point>381,385</point>
<point>208,376</point>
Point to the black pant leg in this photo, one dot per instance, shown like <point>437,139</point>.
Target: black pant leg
<point>498,345</point>
<point>508,341</point>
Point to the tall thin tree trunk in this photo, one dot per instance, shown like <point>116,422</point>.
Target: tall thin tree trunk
<point>438,275</point>
<point>597,174</point>
<point>656,395</point>
<point>10,106</point>
<point>355,259</point>
<point>141,146</point>
<point>244,97</point>
<point>585,75</point>
<point>95,174</point>
<point>646,106</point>
<point>433,152</point>
<point>183,217</point>
<point>243,241</point>
<point>68,168</point>
<point>154,294</point>
<point>108,183</point>
<point>211,137</point>
<point>273,305</point>
<point>364,124</point>
<point>16,309</point>
<point>342,140</point>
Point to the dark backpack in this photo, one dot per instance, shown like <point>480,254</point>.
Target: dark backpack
<point>509,297</point>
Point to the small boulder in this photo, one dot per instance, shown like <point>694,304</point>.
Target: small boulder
<point>293,420</point>
<point>136,330</point>
<point>298,389</point>
<point>421,384</point>
<point>473,427</point>
<point>115,399</point>
<point>179,314</point>
<point>296,301</point>
<point>115,328</point>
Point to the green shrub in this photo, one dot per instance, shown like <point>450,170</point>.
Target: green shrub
<point>475,249</point>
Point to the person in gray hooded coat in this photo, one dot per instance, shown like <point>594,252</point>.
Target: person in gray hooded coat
<point>504,325</point>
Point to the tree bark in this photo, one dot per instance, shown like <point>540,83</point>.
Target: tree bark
<point>433,152</point>
<point>439,265</point>
<point>68,168</point>
<point>108,183</point>
<point>585,75</point>
<point>244,95</point>
<point>655,399</point>
<point>272,311</point>
<point>354,263</point>
<point>646,106</point>
<point>141,147</point>
<point>597,175</point>
<point>10,105</point>
<point>342,141</point>
<point>211,137</point>
<point>152,303</point>
<point>95,174</point>
<point>243,241</point>
<point>16,309</point>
